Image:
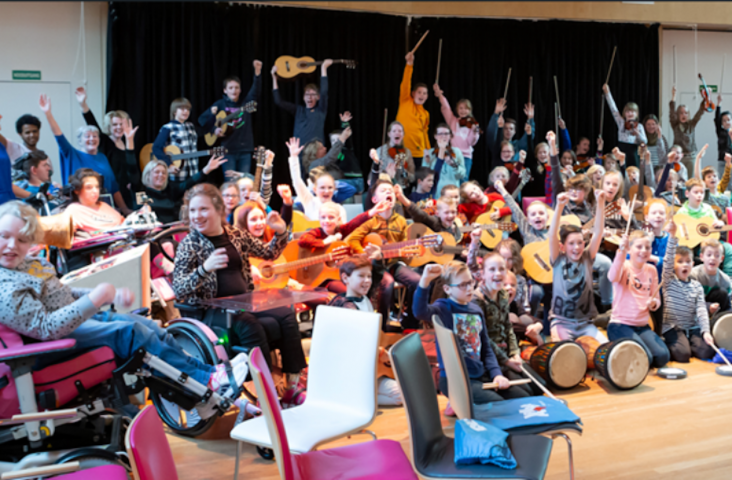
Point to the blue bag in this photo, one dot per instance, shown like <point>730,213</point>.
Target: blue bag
<point>718,359</point>
<point>477,442</point>
<point>524,412</point>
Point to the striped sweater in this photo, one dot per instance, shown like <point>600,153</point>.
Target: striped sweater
<point>683,302</point>
<point>529,233</point>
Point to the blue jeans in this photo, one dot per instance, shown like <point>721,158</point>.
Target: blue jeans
<point>238,162</point>
<point>124,334</point>
<point>601,266</point>
<point>344,191</point>
<point>655,347</point>
<point>468,167</point>
<point>356,183</point>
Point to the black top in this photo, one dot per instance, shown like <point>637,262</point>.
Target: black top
<point>230,279</point>
<point>116,157</point>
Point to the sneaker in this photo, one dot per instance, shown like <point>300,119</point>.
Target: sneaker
<point>293,397</point>
<point>245,408</point>
<point>219,380</point>
<point>449,412</point>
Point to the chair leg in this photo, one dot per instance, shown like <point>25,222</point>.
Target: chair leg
<point>369,432</point>
<point>569,450</point>
<point>236,465</point>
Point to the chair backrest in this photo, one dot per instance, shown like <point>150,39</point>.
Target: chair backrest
<point>270,406</point>
<point>343,355</point>
<point>458,385</point>
<point>526,201</point>
<point>414,376</point>
<point>148,448</point>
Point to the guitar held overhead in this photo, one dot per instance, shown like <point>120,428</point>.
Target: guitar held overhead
<point>176,157</point>
<point>226,119</point>
<point>290,67</point>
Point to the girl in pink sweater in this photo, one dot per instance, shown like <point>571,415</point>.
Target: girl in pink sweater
<point>465,130</point>
<point>635,294</point>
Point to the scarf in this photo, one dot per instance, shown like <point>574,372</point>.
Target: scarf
<point>652,139</point>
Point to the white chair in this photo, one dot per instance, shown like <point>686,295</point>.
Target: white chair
<point>353,210</point>
<point>341,395</point>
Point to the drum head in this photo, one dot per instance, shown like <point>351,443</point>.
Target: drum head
<point>671,373</point>
<point>568,365</point>
<point>627,364</point>
<point>724,370</point>
<point>722,331</point>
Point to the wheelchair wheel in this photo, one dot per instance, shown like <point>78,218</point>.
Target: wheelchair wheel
<point>93,457</point>
<point>198,346</point>
<point>265,453</point>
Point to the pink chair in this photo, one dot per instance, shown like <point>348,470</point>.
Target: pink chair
<point>377,459</point>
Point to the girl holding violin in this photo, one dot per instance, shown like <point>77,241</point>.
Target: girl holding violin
<point>630,132</point>
<point>657,143</point>
<point>464,127</point>
<point>684,129</point>
<point>394,159</point>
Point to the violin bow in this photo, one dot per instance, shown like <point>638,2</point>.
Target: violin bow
<point>602,114</point>
<point>420,42</point>
<point>439,57</point>
<point>556,90</point>
<point>531,88</point>
<point>508,81</point>
<point>383,132</point>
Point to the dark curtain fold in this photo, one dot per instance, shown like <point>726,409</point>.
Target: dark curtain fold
<point>160,51</point>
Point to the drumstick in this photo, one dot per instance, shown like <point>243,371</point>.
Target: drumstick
<point>439,57</point>
<point>508,80</point>
<point>610,69</point>
<point>538,383</point>
<point>720,354</point>
<point>521,381</point>
<point>420,42</point>
<point>630,217</point>
<point>383,132</point>
<point>531,88</point>
<point>556,120</point>
<point>602,114</point>
<point>559,106</point>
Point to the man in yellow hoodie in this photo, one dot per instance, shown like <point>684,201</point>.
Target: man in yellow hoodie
<point>412,114</point>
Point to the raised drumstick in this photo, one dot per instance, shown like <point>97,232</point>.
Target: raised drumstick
<point>420,42</point>
<point>610,69</point>
<point>531,88</point>
<point>508,81</point>
<point>556,90</point>
<point>439,57</point>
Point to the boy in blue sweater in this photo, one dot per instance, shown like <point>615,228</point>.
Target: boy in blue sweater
<point>238,139</point>
<point>465,319</point>
<point>310,118</point>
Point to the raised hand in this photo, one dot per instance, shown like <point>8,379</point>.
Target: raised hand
<point>561,124</point>
<point>527,128</point>
<point>274,70</point>
<point>624,241</point>
<point>80,94</point>
<point>606,89</point>
<point>431,271</point>
<point>562,199</point>
<point>257,64</point>
<point>475,235</point>
<point>294,146</point>
<point>268,158</point>
<point>438,90</point>
<point>285,194</point>
<point>600,144</point>
<point>673,93</point>
<point>213,163</point>
<point>374,155</point>
<point>45,103</point>
<point>703,151</point>
<point>500,106</point>
<point>619,155</point>
<point>671,227</point>
<point>346,116</point>
<point>600,195</point>
<point>409,57</point>
<point>522,154</point>
<point>275,222</point>
<point>529,111</point>
<point>327,63</point>
<point>391,169</point>
<point>129,132</point>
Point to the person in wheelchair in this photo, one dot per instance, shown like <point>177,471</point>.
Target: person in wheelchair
<point>88,211</point>
<point>34,303</point>
<point>213,261</point>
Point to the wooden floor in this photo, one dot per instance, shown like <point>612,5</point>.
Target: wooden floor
<point>664,429</point>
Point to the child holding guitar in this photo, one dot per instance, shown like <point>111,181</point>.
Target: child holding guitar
<point>714,195</point>
<point>309,118</point>
<point>573,305</point>
<point>239,139</point>
<point>332,230</point>
<point>444,219</point>
<point>393,227</point>
<point>182,134</point>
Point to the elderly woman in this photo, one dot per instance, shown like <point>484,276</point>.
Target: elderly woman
<point>111,141</point>
<point>89,213</point>
<point>88,156</point>
<point>213,261</point>
<point>166,195</point>
<point>36,304</point>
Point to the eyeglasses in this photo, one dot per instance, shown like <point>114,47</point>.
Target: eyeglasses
<point>442,134</point>
<point>464,285</point>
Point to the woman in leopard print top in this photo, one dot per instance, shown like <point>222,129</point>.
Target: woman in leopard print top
<point>213,261</point>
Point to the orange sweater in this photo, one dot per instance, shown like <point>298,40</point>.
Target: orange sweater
<point>414,118</point>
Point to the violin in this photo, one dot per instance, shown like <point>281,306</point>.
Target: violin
<point>394,151</point>
<point>631,124</point>
<point>706,94</point>
<point>469,122</point>
<point>677,167</point>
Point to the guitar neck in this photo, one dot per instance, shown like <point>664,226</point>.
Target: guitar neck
<point>320,62</point>
<point>305,262</point>
<point>485,226</point>
<point>258,172</point>
<point>184,156</point>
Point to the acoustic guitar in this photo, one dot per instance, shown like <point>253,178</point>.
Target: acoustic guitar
<point>274,278</point>
<point>424,242</point>
<point>492,231</point>
<point>276,274</point>
<point>176,157</point>
<point>442,253</point>
<point>692,231</point>
<point>258,156</point>
<point>537,261</point>
<point>301,223</point>
<point>290,67</point>
<point>225,119</point>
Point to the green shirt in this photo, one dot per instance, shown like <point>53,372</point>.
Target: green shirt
<point>705,210</point>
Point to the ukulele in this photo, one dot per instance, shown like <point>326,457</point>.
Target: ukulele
<point>692,231</point>
<point>176,157</point>
<point>537,261</point>
<point>290,67</point>
<point>224,120</point>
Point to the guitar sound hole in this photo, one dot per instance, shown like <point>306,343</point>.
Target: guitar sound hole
<point>703,230</point>
<point>267,272</point>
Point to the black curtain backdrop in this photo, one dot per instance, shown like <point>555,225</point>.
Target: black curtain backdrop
<point>160,51</point>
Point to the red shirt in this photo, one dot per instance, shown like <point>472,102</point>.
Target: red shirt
<point>473,210</point>
<point>313,238</point>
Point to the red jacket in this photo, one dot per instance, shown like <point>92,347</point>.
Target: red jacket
<point>473,210</point>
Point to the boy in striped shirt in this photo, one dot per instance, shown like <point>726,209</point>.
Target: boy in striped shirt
<point>685,319</point>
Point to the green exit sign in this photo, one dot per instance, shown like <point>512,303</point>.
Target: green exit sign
<point>713,88</point>
<point>26,74</point>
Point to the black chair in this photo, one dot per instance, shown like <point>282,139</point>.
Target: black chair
<point>433,452</point>
<point>461,395</point>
